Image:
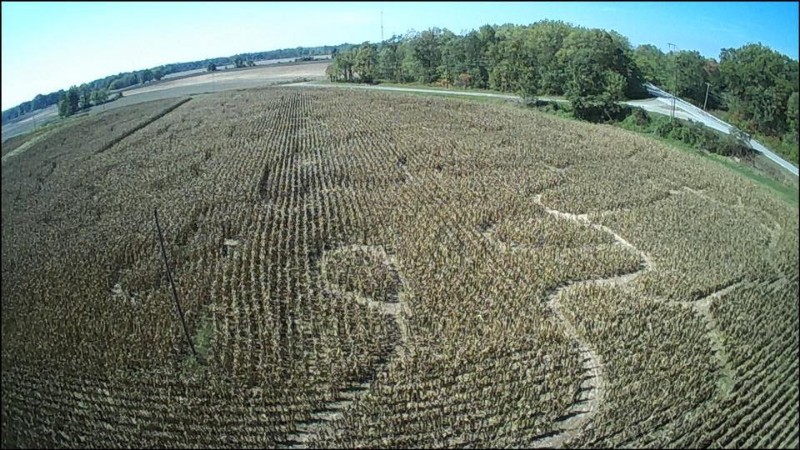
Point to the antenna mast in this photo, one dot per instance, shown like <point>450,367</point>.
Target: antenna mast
<point>381,26</point>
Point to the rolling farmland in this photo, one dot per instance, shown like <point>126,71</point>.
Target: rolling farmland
<point>371,269</point>
<point>187,85</point>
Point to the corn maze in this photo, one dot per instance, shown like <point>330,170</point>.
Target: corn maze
<point>365,269</point>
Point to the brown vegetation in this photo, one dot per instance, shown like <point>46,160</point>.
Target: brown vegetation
<point>393,259</point>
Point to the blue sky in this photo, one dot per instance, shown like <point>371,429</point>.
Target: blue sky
<point>49,46</point>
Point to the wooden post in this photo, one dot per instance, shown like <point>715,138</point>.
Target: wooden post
<point>708,85</point>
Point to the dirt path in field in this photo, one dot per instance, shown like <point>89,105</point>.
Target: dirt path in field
<point>593,387</point>
<point>398,311</point>
<point>703,309</point>
<point>583,219</point>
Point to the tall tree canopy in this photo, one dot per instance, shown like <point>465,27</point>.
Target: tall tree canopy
<point>759,82</point>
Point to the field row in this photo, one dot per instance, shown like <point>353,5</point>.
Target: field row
<point>319,244</point>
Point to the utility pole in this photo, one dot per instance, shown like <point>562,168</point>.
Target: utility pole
<point>708,85</point>
<point>172,285</point>
<point>675,78</point>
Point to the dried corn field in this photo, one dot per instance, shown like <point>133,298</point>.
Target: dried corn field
<point>363,269</point>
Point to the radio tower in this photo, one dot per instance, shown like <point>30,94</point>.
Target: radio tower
<point>381,26</point>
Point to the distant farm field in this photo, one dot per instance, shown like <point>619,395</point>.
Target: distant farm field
<point>29,123</point>
<point>369,269</point>
<point>258,76</point>
<point>225,80</point>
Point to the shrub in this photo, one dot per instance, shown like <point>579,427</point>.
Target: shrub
<point>640,117</point>
<point>703,138</point>
<point>464,80</point>
<point>599,111</point>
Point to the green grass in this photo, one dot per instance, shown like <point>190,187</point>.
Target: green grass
<point>432,87</point>
<point>195,367</point>
<point>786,149</point>
<point>471,98</point>
<point>787,193</point>
<point>441,88</point>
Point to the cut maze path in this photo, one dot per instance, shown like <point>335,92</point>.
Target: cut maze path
<point>581,413</point>
<point>398,311</point>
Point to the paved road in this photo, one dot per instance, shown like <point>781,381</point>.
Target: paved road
<point>711,121</point>
<point>661,104</point>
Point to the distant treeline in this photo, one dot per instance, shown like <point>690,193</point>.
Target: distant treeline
<point>127,79</point>
<point>592,68</point>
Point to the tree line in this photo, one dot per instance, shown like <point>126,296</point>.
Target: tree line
<point>80,98</point>
<point>755,84</point>
<point>128,79</point>
<point>592,68</point>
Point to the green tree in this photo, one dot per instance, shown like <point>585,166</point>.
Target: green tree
<point>544,40</point>
<point>427,50</point>
<point>594,84</point>
<point>475,59</point>
<point>116,84</point>
<point>410,66</point>
<point>331,72</point>
<point>389,60</point>
<point>690,76</point>
<point>480,54</point>
<point>145,76</point>
<point>759,82</point>
<point>792,119</point>
<point>99,96</point>
<point>509,60</point>
<point>85,101</point>
<point>63,105</point>
<point>211,67</point>
<point>39,102</point>
<point>454,58</point>
<point>343,63</point>
<point>342,66</point>
<point>365,62</point>
<point>72,100</point>
<point>624,64</point>
<point>653,64</point>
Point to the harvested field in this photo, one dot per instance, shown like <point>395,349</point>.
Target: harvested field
<point>369,269</point>
<point>29,123</point>
<point>260,76</point>
<point>237,79</point>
